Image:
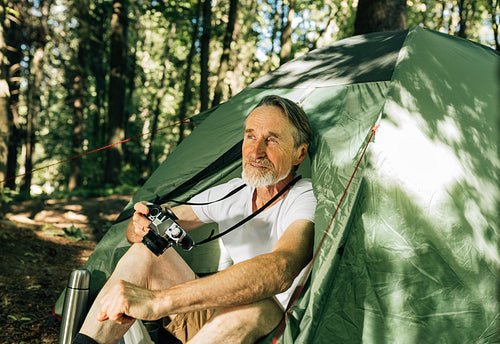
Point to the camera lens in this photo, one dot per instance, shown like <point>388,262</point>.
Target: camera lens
<point>176,232</point>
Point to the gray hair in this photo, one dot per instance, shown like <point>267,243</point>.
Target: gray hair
<point>295,114</point>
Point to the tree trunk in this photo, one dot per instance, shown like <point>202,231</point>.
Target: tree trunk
<point>226,50</point>
<point>380,15</point>
<point>274,33</point>
<point>4,100</point>
<point>495,13</point>
<point>462,14</point>
<point>205,53</point>
<point>116,101</point>
<point>187,95</point>
<point>34,107</point>
<point>75,176</point>
<point>79,90</point>
<point>35,93</point>
<point>159,96</point>
<point>14,56</point>
<point>286,35</point>
<point>98,70</point>
<point>466,11</point>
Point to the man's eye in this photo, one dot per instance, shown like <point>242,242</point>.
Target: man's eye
<point>272,140</point>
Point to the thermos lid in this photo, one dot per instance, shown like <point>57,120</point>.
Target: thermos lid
<point>79,279</point>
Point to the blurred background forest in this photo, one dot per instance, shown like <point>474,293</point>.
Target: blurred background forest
<point>77,75</point>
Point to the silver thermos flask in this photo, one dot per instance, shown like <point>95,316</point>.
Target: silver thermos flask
<point>75,305</point>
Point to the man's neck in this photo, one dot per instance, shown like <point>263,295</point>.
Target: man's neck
<point>262,195</point>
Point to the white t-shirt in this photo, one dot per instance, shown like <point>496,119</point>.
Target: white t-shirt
<point>260,234</point>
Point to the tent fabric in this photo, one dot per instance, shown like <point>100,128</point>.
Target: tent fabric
<point>412,254</point>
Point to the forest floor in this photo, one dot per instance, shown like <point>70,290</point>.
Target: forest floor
<point>41,242</point>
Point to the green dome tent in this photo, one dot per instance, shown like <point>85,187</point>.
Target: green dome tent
<point>412,254</point>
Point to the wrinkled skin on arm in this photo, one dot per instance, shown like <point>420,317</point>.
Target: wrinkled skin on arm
<point>255,279</point>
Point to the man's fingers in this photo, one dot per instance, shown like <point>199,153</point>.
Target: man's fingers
<point>118,318</point>
<point>113,305</point>
<point>101,316</point>
<point>140,222</point>
<point>141,208</point>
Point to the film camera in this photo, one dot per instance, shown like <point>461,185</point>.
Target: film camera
<point>164,231</point>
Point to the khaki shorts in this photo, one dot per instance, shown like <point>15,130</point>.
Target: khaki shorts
<point>185,326</point>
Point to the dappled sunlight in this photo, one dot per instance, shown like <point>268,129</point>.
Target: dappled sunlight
<point>412,255</point>
<point>71,216</point>
<point>92,217</point>
<point>480,226</point>
<point>437,178</point>
<point>22,219</point>
<point>405,155</point>
<point>449,129</point>
<point>420,266</point>
<point>339,64</point>
<point>55,217</point>
<point>73,207</point>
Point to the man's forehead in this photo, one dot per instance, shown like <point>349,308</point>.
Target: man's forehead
<point>271,119</point>
<point>265,113</point>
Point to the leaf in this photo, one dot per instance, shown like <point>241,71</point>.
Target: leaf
<point>25,319</point>
<point>74,233</point>
<point>13,12</point>
<point>47,227</point>
<point>12,317</point>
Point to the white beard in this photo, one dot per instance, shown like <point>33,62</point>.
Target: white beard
<point>258,179</point>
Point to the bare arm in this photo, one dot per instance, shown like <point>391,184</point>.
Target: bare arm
<point>138,226</point>
<point>249,281</point>
<point>255,279</point>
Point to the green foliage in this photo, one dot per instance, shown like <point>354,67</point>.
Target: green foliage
<point>76,44</point>
<point>74,233</point>
<point>444,16</point>
<point>6,196</point>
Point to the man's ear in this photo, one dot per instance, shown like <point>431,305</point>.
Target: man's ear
<point>300,154</point>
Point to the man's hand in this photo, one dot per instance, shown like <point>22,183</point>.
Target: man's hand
<point>138,227</point>
<point>125,302</point>
<point>141,223</point>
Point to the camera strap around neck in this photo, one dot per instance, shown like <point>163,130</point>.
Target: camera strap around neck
<point>211,237</point>
<point>205,203</point>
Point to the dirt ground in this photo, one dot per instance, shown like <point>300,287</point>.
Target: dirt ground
<point>36,258</point>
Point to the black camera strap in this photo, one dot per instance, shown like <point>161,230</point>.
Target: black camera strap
<point>211,237</point>
<point>206,203</point>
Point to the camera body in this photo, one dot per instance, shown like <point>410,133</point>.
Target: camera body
<point>164,231</point>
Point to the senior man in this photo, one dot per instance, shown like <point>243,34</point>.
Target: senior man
<point>245,301</point>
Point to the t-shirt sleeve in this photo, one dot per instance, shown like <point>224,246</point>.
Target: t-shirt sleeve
<point>302,206</point>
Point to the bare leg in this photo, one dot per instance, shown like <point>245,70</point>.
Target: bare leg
<point>241,324</point>
<point>141,267</point>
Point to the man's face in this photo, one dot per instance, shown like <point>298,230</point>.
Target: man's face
<point>268,147</point>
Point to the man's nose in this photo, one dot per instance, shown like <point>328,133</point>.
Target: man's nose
<point>259,149</point>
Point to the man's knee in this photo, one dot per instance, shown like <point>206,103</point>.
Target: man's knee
<point>142,267</point>
<point>241,324</point>
<point>260,316</point>
<point>137,257</point>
